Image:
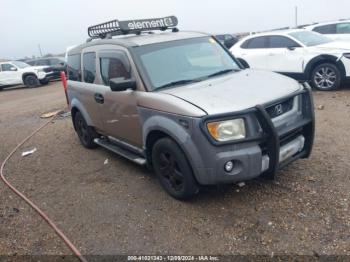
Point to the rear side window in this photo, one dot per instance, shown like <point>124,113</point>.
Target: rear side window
<point>325,29</point>
<point>73,67</point>
<point>54,61</point>
<point>343,28</point>
<point>258,42</point>
<point>114,65</point>
<point>89,67</point>
<point>6,67</point>
<point>281,42</point>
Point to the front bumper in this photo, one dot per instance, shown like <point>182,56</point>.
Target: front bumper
<point>275,146</point>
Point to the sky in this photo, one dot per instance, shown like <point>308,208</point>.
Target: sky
<point>55,25</point>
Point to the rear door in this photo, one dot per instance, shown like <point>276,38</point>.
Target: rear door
<point>83,86</point>
<point>254,52</point>
<point>10,75</point>
<point>284,55</point>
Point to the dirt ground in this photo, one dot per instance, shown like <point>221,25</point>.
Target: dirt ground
<point>119,208</point>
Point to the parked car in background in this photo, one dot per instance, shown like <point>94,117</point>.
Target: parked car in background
<point>337,30</point>
<point>227,40</point>
<point>17,73</point>
<point>301,54</point>
<point>57,64</point>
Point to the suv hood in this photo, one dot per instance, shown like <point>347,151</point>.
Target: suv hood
<point>333,47</point>
<point>236,91</point>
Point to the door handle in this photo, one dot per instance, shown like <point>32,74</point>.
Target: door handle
<point>99,98</point>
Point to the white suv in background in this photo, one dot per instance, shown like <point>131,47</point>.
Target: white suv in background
<point>301,54</point>
<point>337,30</point>
<point>18,73</point>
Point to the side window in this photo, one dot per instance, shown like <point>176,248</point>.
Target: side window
<point>43,62</point>
<point>114,65</point>
<point>325,29</point>
<point>281,42</point>
<point>6,67</point>
<point>54,61</point>
<point>343,28</point>
<point>253,43</point>
<point>89,67</point>
<point>74,71</point>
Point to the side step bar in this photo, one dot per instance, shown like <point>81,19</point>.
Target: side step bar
<point>120,151</point>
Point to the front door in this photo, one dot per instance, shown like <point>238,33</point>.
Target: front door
<point>119,113</point>
<point>284,55</point>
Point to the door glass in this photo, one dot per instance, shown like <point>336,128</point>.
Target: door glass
<point>343,28</point>
<point>258,42</point>
<point>89,67</point>
<point>6,67</point>
<point>73,68</point>
<point>114,65</point>
<point>325,29</point>
<point>281,42</point>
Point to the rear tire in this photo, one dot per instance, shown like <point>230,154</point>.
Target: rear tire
<point>326,77</point>
<point>31,81</point>
<point>86,133</point>
<point>173,170</point>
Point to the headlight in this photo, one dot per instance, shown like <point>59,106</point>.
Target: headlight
<point>347,55</point>
<point>227,130</point>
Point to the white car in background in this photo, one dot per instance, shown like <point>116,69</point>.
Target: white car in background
<point>301,54</point>
<point>337,30</point>
<point>19,73</point>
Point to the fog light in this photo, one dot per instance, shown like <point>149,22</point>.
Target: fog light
<point>229,166</point>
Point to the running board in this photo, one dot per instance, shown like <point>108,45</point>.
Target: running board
<point>120,151</point>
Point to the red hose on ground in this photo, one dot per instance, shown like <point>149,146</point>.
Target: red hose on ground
<point>30,203</point>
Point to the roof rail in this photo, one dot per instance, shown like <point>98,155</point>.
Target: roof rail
<point>115,27</point>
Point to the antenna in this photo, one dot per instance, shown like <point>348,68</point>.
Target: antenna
<point>296,15</point>
<point>41,53</point>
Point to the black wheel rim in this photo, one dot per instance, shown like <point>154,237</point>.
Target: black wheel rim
<point>170,171</point>
<point>82,130</point>
<point>325,77</point>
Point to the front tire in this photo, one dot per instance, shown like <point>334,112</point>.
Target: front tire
<point>326,77</point>
<point>44,82</point>
<point>173,170</point>
<point>85,133</point>
<point>31,81</point>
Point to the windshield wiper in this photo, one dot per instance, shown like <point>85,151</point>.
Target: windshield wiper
<point>223,72</point>
<point>179,82</point>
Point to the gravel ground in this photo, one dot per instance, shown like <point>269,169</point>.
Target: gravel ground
<point>119,208</point>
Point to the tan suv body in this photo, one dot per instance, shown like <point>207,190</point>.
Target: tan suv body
<point>181,103</point>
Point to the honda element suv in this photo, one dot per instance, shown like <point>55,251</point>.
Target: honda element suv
<point>181,104</point>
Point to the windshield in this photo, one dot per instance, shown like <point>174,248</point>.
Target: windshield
<point>20,64</point>
<point>179,62</point>
<point>310,38</point>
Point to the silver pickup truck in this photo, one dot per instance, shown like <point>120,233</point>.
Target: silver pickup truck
<point>180,103</point>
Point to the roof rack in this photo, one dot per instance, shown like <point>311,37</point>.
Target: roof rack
<point>115,27</point>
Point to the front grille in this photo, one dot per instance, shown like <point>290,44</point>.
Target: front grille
<point>280,108</point>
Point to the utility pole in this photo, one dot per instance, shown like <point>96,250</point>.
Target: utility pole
<point>296,15</point>
<point>41,53</point>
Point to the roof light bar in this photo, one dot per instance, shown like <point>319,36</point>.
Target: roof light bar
<point>116,27</point>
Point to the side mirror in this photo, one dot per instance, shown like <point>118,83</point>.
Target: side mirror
<point>13,68</point>
<point>122,84</point>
